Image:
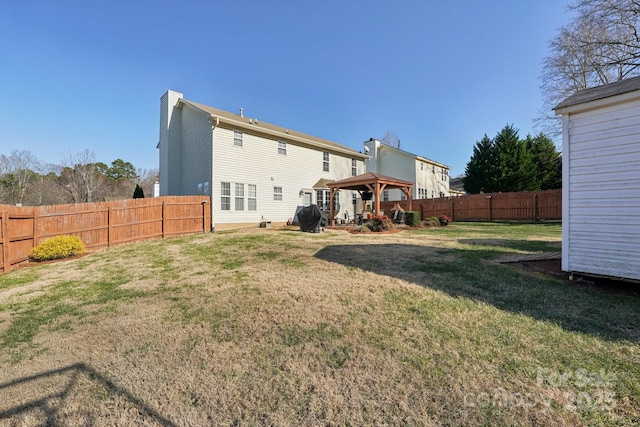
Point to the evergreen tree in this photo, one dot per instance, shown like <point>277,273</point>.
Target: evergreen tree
<point>138,193</point>
<point>479,172</point>
<point>507,163</point>
<point>547,161</point>
<point>514,169</point>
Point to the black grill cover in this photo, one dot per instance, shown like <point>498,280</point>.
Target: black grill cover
<point>312,219</point>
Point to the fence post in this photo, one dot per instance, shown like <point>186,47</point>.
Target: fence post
<point>36,227</point>
<point>490,207</point>
<point>5,241</point>
<point>163,219</point>
<point>109,220</point>
<point>451,208</point>
<point>204,216</point>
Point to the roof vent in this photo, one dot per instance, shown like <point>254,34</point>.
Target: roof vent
<point>241,112</point>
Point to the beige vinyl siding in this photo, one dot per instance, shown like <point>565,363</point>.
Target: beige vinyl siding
<point>258,162</point>
<point>602,218</point>
<point>196,149</point>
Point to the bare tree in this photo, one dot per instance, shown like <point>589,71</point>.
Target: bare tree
<point>16,173</point>
<point>391,139</point>
<point>599,46</point>
<point>80,177</point>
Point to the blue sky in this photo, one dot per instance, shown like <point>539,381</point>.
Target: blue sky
<point>77,75</point>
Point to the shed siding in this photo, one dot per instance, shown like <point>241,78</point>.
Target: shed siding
<point>601,228</point>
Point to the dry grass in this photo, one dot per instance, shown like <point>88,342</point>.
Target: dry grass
<point>278,327</point>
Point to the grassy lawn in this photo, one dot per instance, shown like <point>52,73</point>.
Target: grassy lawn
<point>279,327</point>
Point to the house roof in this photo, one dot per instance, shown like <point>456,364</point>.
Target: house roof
<point>362,182</point>
<point>600,92</point>
<point>254,125</point>
<point>417,157</point>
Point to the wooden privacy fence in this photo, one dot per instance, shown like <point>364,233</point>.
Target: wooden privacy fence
<point>99,224</point>
<point>523,206</point>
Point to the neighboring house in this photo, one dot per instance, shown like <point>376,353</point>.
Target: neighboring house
<point>601,180</point>
<point>456,186</point>
<point>430,179</point>
<point>251,169</point>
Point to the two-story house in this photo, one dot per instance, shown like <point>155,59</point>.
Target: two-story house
<point>430,179</point>
<point>251,169</point>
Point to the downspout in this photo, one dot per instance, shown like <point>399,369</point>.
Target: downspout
<point>215,122</point>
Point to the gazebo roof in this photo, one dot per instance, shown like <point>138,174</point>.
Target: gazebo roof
<point>366,180</point>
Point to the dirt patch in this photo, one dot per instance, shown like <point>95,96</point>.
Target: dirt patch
<point>554,267</point>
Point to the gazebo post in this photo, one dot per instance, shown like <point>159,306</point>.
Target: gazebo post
<point>332,221</point>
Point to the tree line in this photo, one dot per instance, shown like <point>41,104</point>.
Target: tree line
<point>509,163</point>
<point>25,180</point>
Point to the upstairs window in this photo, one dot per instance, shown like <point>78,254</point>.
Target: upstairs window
<point>354,167</point>
<point>237,138</point>
<point>325,161</point>
<point>282,148</point>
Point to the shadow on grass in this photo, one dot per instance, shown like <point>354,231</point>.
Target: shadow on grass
<point>50,403</point>
<point>470,273</point>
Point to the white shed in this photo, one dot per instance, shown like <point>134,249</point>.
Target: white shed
<point>601,180</point>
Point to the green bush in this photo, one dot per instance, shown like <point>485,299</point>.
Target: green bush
<point>432,222</point>
<point>58,247</point>
<point>412,218</point>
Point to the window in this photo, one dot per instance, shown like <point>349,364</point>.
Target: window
<point>403,196</point>
<point>421,166</point>
<point>433,169</point>
<point>282,148</point>
<point>225,196</point>
<point>237,138</point>
<point>323,198</point>
<point>325,161</point>
<point>354,167</point>
<point>252,203</point>
<point>441,194</point>
<point>385,195</point>
<point>354,198</point>
<point>239,197</point>
<point>277,193</point>
<point>203,188</point>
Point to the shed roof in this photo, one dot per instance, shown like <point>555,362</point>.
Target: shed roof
<point>600,92</point>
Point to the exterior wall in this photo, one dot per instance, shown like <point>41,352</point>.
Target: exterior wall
<point>170,145</point>
<point>400,164</point>
<point>258,162</point>
<point>196,138</point>
<point>601,190</point>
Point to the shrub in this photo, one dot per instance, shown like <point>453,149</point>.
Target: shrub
<point>58,247</point>
<point>432,222</point>
<point>380,223</point>
<point>412,218</point>
<point>444,220</point>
